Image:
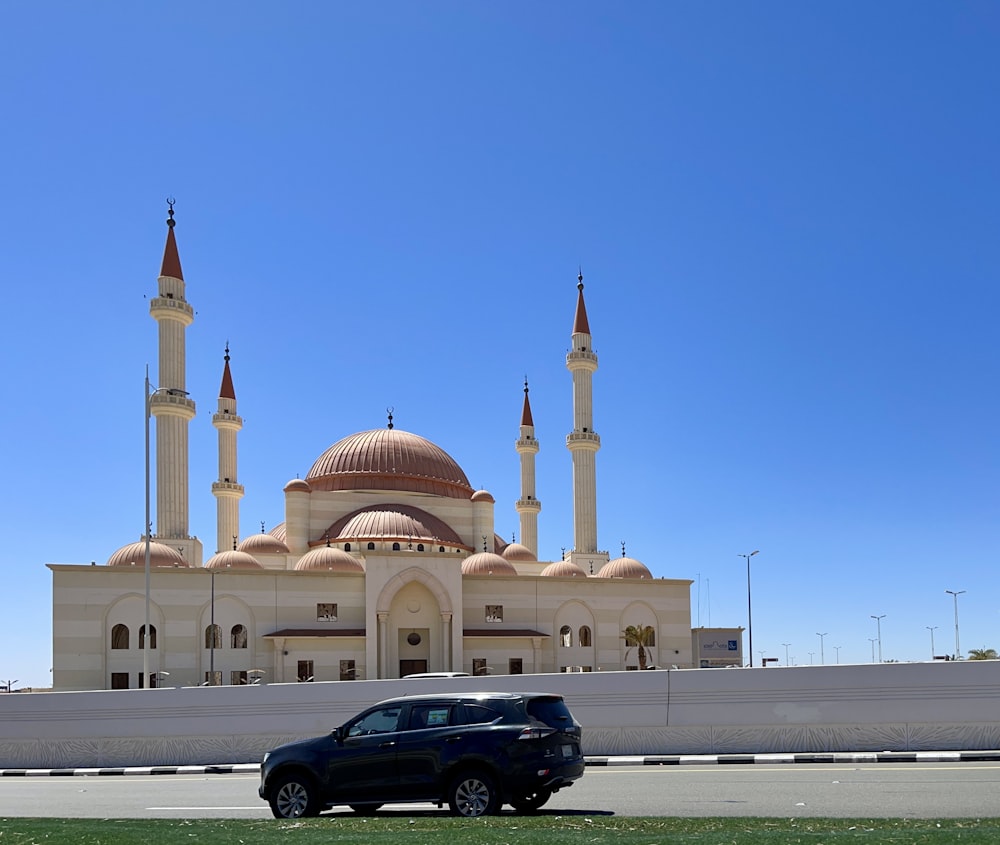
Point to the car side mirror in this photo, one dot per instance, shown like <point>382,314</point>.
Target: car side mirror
<point>339,733</point>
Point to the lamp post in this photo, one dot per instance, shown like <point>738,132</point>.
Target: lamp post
<point>211,623</point>
<point>786,645</point>
<point>932,629</point>
<point>878,628</point>
<point>872,640</point>
<point>822,654</point>
<point>955,594</point>
<point>749,605</point>
<point>837,648</point>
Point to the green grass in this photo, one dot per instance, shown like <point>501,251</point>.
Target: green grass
<point>513,830</point>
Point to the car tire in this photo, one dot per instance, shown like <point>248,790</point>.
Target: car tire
<point>294,796</point>
<point>473,794</point>
<point>365,809</point>
<point>529,802</point>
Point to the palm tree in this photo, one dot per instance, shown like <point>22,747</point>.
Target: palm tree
<point>639,636</point>
<point>982,654</point>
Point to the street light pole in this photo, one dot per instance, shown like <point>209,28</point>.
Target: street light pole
<point>822,654</point>
<point>955,594</point>
<point>786,645</point>
<point>148,528</point>
<point>932,629</point>
<point>837,648</point>
<point>878,627</point>
<point>872,640</point>
<point>749,605</point>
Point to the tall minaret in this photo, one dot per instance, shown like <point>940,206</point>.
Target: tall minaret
<point>170,404</point>
<point>227,490</point>
<point>582,441</point>
<point>528,506</point>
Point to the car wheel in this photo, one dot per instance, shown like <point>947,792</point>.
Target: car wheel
<point>528,802</point>
<point>365,809</point>
<point>473,794</point>
<point>294,796</point>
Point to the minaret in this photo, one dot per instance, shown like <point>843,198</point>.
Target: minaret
<point>582,442</point>
<point>227,490</point>
<point>528,505</point>
<point>170,404</point>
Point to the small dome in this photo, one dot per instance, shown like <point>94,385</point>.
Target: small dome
<point>515,551</point>
<point>263,544</point>
<point>298,485</point>
<point>563,569</point>
<point>393,522</point>
<point>278,532</point>
<point>330,559</point>
<point>483,496</point>
<point>232,560</point>
<point>487,563</point>
<point>624,567</point>
<point>134,554</point>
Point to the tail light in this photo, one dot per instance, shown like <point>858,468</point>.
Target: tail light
<point>536,733</point>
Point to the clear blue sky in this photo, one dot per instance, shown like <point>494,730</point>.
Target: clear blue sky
<point>786,214</point>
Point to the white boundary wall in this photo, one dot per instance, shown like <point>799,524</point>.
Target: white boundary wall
<point>887,707</point>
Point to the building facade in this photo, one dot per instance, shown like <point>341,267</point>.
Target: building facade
<point>385,563</point>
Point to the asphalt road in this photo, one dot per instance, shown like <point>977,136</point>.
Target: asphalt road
<point>880,790</point>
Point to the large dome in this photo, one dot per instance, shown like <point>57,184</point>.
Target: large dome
<point>389,459</point>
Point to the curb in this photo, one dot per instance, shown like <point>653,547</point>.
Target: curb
<point>625,760</point>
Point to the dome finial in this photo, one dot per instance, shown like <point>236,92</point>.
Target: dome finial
<point>227,351</point>
<point>262,526</point>
<point>234,542</point>
<point>579,279</point>
<point>170,212</point>
<point>389,412</point>
<point>484,542</point>
<point>623,548</point>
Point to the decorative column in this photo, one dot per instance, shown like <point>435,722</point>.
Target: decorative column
<point>528,506</point>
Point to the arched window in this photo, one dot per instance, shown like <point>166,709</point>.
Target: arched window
<point>152,636</point>
<point>585,635</point>
<point>238,637</point>
<point>395,547</point>
<point>119,636</point>
<point>420,547</point>
<point>371,547</point>
<point>440,548</point>
<point>566,636</point>
<point>213,636</point>
<point>347,547</point>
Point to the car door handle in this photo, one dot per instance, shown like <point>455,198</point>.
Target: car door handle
<point>387,744</point>
<point>453,739</point>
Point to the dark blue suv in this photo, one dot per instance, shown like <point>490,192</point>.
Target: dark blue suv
<point>473,751</point>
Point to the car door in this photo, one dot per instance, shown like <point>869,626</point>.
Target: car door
<point>363,766</point>
<point>425,746</point>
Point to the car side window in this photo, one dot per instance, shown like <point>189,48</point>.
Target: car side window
<point>429,716</point>
<point>477,714</point>
<point>384,720</point>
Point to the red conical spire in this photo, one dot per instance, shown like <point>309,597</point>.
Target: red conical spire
<point>227,391</point>
<point>580,324</point>
<point>526,412</point>
<point>171,260</point>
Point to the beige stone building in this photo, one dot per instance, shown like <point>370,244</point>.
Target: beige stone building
<point>385,563</point>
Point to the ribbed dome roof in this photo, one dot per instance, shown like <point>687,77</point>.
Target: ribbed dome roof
<point>624,567</point>
<point>389,459</point>
<point>278,532</point>
<point>487,563</point>
<point>515,551</point>
<point>563,569</point>
<point>393,522</point>
<point>232,560</point>
<point>483,496</point>
<point>266,544</point>
<point>134,554</point>
<point>298,484</point>
<point>330,559</point>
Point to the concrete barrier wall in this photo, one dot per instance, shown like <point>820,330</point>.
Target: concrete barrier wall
<point>884,707</point>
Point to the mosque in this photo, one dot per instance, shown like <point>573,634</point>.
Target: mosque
<point>385,563</point>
